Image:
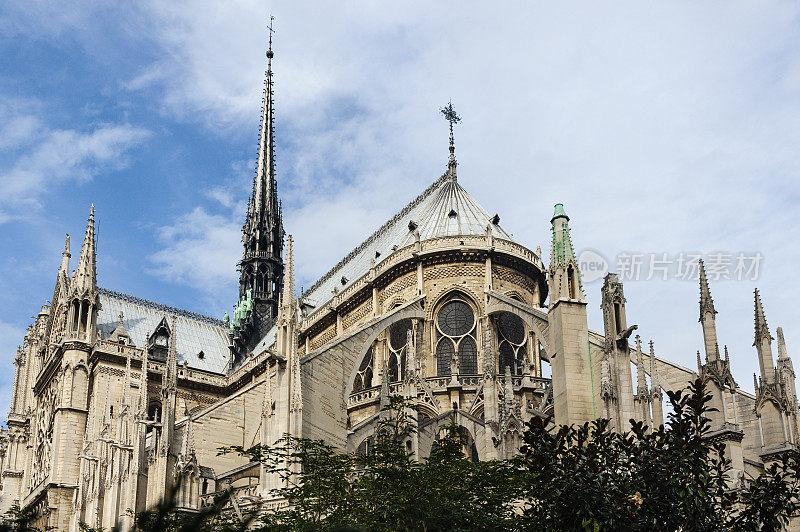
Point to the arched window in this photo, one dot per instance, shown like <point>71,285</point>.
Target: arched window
<point>364,375</point>
<point>455,334</point>
<point>511,342</point>
<point>398,342</point>
<point>154,412</point>
<point>365,447</point>
<point>571,282</point>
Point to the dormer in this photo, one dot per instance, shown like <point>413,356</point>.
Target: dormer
<point>158,341</point>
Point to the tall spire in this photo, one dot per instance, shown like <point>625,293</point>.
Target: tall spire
<point>264,197</point>
<point>453,118</point>
<point>261,267</point>
<point>707,319</point>
<point>763,341</point>
<point>86,272</point>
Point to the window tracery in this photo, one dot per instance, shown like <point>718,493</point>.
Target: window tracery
<point>455,338</point>
<point>364,376</point>
<point>398,343</point>
<point>511,342</point>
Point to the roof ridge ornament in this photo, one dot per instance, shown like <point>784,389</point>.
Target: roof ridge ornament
<point>453,118</point>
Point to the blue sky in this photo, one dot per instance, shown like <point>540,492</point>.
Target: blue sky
<point>663,127</point>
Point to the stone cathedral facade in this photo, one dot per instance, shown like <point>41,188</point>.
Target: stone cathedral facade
<point>116,398</point>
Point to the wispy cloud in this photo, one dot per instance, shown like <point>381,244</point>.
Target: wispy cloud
<point>34,158</point>
<point>199,249</point>
<point>663,129</point>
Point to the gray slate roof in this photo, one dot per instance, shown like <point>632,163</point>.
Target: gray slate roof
<point>444,209</point>
<point>195,332</point>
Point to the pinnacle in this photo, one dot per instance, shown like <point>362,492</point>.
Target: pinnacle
<point>65,255</point>
<point>761,328</point>
<point>653,370</point>
<point>288,275</point>
<point>782,354</point>
<point>640,373</point>
<point>86,272</point>
<point>706,301</point>
<point>559,212</point>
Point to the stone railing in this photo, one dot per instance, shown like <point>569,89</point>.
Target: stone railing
<point>363,397</point>
<point>122,349</point>
<point>439,383</point>
<point>426,247</point>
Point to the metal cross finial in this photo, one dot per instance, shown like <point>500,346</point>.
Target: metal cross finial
<point>271,31</point>
<point>451,116</point>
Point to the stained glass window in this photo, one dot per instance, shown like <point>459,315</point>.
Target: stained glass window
<point>455,333</point>
<point>444,355</point>
<point>456,318</point>
<point>468,356</point>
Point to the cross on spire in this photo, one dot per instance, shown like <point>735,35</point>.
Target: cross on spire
<point>271,31</point>
<point>453,118</point>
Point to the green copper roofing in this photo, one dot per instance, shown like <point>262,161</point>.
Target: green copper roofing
<point>559,212</point>
<point>563,254</point>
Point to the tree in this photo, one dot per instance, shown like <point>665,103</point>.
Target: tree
<point>565,478</point>
<point>671,478</point>
<point>386,489</point>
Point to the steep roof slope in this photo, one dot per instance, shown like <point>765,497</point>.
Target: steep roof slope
<point>443,209</point>
<point>195,332</point>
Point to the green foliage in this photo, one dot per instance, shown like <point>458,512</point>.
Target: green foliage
<point>566,478</point>
<point>387,489</point>
<point>672,478</point>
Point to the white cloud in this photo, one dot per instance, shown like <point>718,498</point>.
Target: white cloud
<point>34,158</point>
<point>200,249</point>
<point>667,128</point>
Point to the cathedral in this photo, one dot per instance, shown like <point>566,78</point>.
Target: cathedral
<point>116,399</point>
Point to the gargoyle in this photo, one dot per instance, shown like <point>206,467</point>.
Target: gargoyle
<point>624,335</point>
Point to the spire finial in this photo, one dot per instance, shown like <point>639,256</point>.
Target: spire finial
<point>271,31</point>
<point>121,316</point>
<point>452,117</point>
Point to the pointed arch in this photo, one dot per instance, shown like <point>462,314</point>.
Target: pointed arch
<point>80,387</point>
